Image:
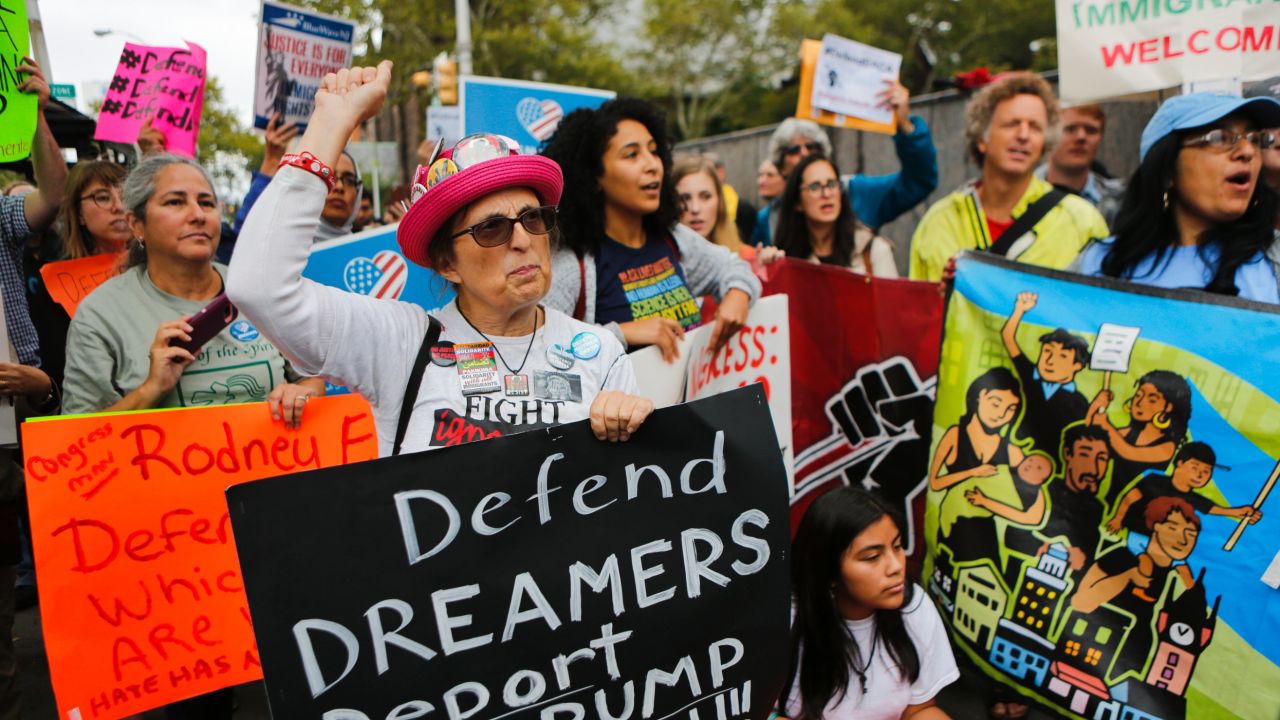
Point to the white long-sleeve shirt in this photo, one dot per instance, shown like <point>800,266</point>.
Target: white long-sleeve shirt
<point>370,344</point>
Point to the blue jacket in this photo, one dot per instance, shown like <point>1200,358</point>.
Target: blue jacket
<point>879,199</point>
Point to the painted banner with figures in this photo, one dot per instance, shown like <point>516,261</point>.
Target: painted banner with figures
<point>1098,512</point>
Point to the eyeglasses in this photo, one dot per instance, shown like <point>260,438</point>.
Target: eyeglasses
<point>1222,140</point>
<point>813,148</point>
<point>104,198</point>
<point>497,231</point>
<point>815,188</point>
<point>349,180</point>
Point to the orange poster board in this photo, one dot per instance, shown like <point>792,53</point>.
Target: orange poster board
<point>70,281</point>
<point>140,590</point>
<point>809,51</point>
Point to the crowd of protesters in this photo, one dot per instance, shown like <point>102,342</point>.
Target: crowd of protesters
<point>568,260</point>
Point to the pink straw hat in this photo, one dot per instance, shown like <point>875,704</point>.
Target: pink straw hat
<point>473,168</point>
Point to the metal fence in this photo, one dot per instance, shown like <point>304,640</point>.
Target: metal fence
<point>872,153</point>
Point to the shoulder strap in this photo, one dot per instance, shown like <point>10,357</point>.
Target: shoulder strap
<point>580,308</point>
<point>415,381</point>
<point>1026,221</point>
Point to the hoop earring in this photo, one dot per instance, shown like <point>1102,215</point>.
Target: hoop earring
<point>1162,421</point>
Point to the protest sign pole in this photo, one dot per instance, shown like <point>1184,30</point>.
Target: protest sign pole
<point>37,39</point>
<point>463,10</point>
<point>1257,503</point>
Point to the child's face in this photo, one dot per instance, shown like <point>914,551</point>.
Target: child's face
<point>1057,364</point>
<point>1193,473</point>
<point>1034,470</point>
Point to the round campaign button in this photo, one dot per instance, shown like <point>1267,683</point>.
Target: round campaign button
<point>585,345</point>
<point>560,357</point>
<point>442,354</point>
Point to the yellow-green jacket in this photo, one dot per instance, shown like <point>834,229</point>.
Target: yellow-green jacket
<point>957,223</point>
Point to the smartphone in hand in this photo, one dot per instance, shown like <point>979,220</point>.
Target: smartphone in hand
<point>207,323</point>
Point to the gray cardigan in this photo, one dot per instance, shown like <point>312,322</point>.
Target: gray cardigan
<point>709,269</point>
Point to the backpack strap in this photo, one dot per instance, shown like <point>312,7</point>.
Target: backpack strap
<point>1026,221</point>
<point>580,308</point>
<point>415,382</point>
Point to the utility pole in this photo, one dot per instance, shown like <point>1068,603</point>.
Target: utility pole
<point>463,10</point>
<point>37,39</point>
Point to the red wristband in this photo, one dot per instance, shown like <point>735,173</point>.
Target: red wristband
<point>307,161</point>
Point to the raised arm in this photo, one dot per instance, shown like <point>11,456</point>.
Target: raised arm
<point>879,199</point>
<point>1116,523</point>
<point>41,206</point>
<point>1009,333</point>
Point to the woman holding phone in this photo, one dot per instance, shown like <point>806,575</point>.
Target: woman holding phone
<point>135,341</point>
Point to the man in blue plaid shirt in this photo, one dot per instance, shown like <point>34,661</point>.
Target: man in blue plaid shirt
<point>19,217</point>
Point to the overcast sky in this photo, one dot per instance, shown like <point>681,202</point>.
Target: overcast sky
<point>227,29</point>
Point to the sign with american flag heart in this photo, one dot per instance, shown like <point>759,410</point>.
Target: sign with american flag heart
<point>370,263</point>
<point>528,112</point>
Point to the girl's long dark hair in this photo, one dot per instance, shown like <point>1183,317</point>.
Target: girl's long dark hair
<point>821,642</point>
<point>793,228</point>
<point>578,147</point>
<point>1145,228</point>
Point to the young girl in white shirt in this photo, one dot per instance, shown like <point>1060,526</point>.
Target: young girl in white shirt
<point>865,642</point>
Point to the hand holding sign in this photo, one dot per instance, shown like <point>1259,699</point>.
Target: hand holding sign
<point>35,84</point>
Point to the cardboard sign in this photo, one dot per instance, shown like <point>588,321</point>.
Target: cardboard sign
<point>1113,347</point>
<point>850,76</point>
<point>141,597</point>
<point>543,571</point>
<point>810,52</point>
<point>1110,48</point>
<point>760,352</point>
<point>527,112</point>
<point>1116,585</point>
<point>70,281</point>
<point>17,109</point>
<point>161,84</point>
<point>296,49</point>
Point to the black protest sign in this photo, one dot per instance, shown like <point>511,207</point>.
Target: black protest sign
<point>542,575</point>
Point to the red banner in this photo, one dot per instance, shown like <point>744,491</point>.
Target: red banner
<point>864,358</point>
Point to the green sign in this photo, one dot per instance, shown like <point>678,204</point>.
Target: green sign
<point>64,92</point>
<point>17,109</point>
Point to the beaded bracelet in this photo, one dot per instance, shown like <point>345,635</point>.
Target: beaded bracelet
<point>310,163</point>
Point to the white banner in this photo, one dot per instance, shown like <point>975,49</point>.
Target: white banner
<point>761,352</point>
<point>1109,48</point>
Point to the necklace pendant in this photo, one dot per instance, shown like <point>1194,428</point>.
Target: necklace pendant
<point>515,385</point>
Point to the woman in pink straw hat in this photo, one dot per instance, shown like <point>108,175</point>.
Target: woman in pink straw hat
<point>493,361</point>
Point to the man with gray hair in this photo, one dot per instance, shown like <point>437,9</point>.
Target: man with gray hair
<point>1009,126</point>
<point>876,199</point>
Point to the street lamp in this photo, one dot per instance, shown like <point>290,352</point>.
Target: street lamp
<point>103,32</point>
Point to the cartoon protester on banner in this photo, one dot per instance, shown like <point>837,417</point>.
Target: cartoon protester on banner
<point>1158,415</point>
<point>1028,482</point>
<point>1192,470</point>
<point>1051,401</point>
<point>1136,583</point>
<point>974,448</point>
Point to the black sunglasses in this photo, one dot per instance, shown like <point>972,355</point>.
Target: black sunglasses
<point>812,147</point>
<point>497,231</point>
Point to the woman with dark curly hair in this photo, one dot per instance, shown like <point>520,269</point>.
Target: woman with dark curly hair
<point>624,261</point>
<point>1196,215</point>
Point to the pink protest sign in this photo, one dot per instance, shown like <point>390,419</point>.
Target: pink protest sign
<point>160,84</point>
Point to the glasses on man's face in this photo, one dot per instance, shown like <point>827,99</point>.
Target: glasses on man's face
<point>103,198</point>
<point>1223,140</point>
<point>348,179</point>
<point>813,148</point>
<point>815,188</point>
<point>497,231</point>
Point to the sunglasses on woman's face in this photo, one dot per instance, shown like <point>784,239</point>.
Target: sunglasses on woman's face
<point>497,231</point>
<point>813,148</point>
